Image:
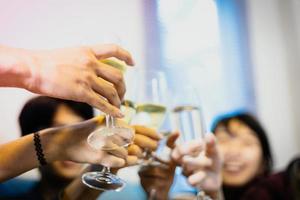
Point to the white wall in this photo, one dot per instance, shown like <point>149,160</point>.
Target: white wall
<point>274,37</point>
<point>49,24</point>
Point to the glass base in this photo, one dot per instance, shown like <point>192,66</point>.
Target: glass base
<point>103,181</point>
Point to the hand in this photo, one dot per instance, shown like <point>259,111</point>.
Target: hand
<point>203,170</point>
<point>157,179</point>
<point>145,139</point>
<point>70,143</point>
<point>76,74</point>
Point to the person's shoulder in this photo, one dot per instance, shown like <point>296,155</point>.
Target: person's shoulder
<point>266,188</point>
<point>274,186</point>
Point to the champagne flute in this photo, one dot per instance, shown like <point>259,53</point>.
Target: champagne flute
<point>151,100</point>
<point>127,105</point>
<point>187,118</point>
<point>107,138</point>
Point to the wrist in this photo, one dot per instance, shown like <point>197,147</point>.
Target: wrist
<point>158,194</point>
<point>14,66</point>
<point>50,146</point>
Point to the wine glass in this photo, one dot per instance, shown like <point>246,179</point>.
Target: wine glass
<point>187,118</point>
<point>107,138</point>
<point>151,100</point>
<point>128,106</point>
<point>187,115</point>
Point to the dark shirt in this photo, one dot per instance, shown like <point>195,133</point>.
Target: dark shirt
<point>280,186</point>
<point>35,193</point>
<point>236,193</point>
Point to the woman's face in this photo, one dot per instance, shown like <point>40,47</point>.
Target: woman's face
<point>242,153</point>
<point>66,169</point>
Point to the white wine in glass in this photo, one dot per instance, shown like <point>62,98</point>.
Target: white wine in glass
<point>151,102</point>
<point>152,115</point>
<point>128,108</point>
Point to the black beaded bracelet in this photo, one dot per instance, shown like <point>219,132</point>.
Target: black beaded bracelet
<point>39,149</point>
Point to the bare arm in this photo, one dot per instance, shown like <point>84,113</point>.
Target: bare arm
<point>63,143</point>
<point>19,155</point>
<point>14,67</point>
<point>69,73</point>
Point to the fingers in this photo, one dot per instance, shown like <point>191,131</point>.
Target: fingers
<point>211,145</point>
<point>191,164</point>
<point>112,161</point>
<point>196,178</point>
<point>172,139</point>
<point>106,90</point>
<point>146,138</point>
<point>192,149</point>
<point>99,102</point>
<point>135,150</point>
<point>131,160</point>
<point>149,132</point>
<point>111,50</point>
<point>145,142</point>
<point>113,76</point>
<point>119,152</point>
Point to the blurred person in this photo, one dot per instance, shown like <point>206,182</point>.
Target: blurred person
<point>243,145</point>
<point>70,73</point>
<point>205,172</point>
<point>43,112</point>
<point>246,151</point>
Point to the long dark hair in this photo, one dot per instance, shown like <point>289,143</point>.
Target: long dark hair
<point>258,130</point>
<point>38,113</point>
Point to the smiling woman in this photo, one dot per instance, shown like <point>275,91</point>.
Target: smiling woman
<point>246,152</point>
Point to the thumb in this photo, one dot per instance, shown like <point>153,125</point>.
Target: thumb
<point>172,139</point>
<point>211,145</point>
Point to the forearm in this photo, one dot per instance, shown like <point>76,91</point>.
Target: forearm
<point>19,156</point>
<point>15,67</point>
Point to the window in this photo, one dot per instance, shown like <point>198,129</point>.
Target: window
<point>193,46</point>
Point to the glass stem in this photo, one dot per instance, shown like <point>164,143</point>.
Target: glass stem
<point>110,121</point>
<point>105,169</point>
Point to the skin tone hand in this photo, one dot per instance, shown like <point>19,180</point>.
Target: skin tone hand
<point>61,143</point>
<point>157,179</point>
<point>145,138</point>
<point>202,170</point>
<point>70,73</point>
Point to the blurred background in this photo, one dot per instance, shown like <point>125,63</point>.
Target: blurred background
<point>239,55</point>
